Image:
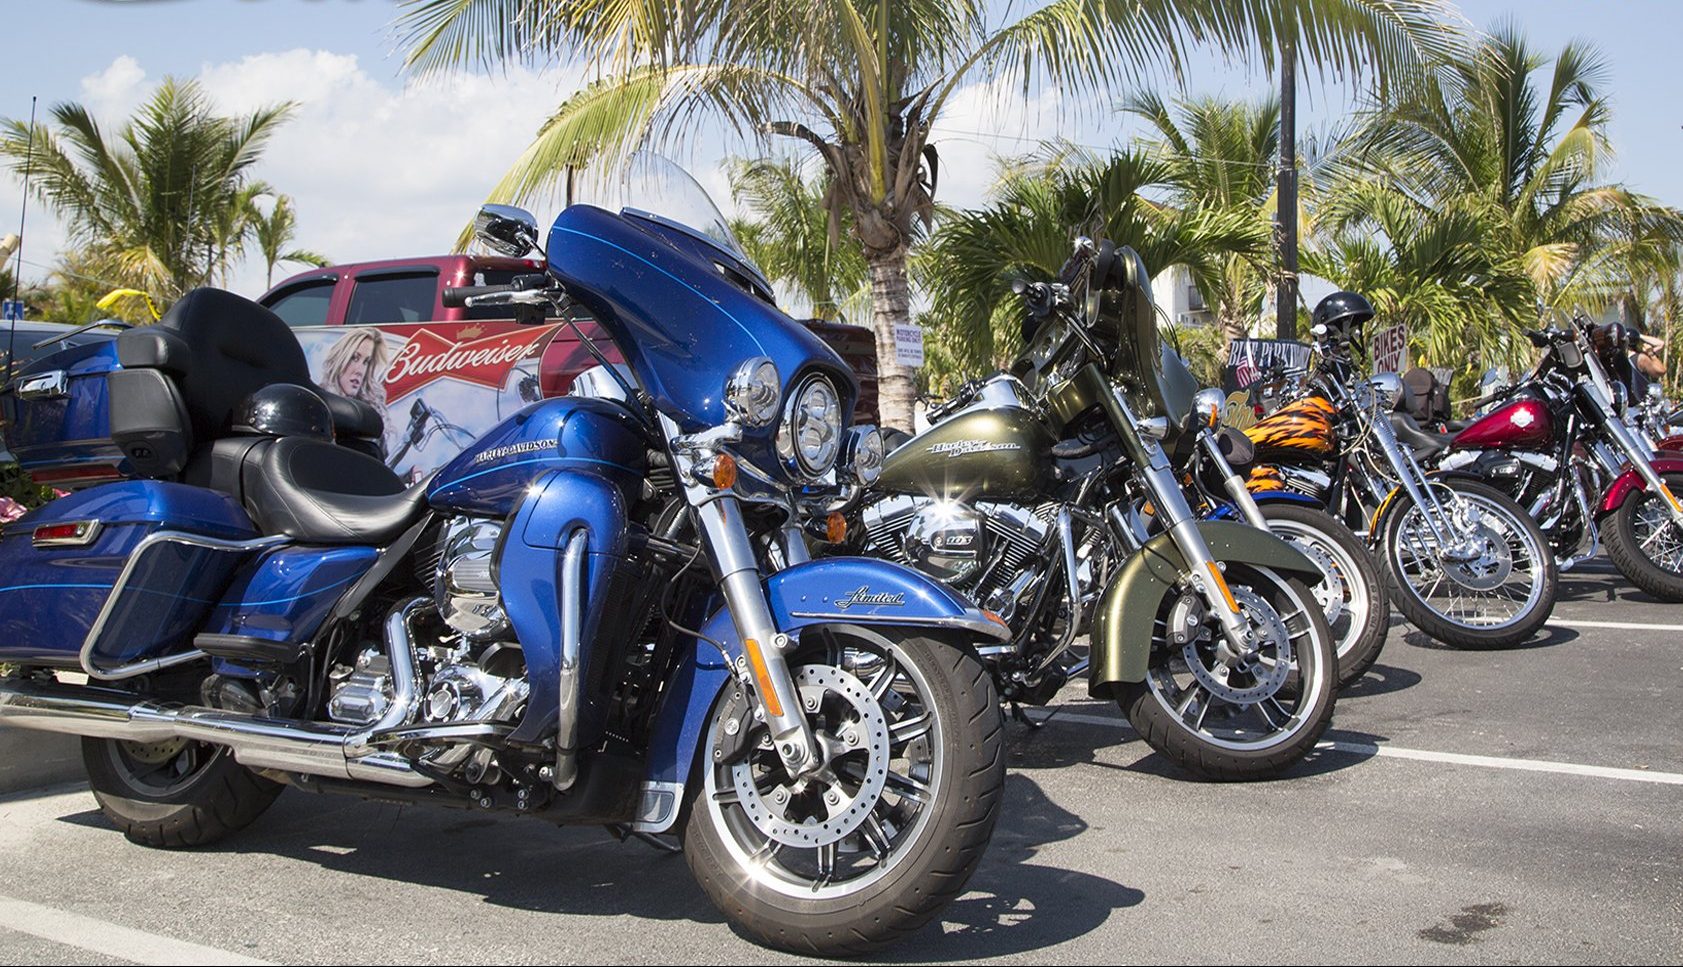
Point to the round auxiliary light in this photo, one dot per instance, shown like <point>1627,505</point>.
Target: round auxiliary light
<point>753,392</point>
<point>863,456</point>
<point>811,436</point>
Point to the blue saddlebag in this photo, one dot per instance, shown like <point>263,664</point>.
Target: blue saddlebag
<point>146,604</point>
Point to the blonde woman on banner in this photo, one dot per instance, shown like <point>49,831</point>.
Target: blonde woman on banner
<point>356,368</point>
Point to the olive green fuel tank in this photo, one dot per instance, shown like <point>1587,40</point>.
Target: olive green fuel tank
<point>993,452</point>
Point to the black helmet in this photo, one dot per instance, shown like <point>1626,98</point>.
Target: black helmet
<point>1343,314</point>
<point>284,409</point>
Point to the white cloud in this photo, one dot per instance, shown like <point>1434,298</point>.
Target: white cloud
<point>984,121</point>
<point>376,168</point>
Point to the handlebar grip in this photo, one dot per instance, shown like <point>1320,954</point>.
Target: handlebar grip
<point>455,297</point>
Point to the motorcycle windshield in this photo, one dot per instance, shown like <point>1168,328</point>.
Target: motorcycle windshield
<point>657,264</point>
<point>1157,379</point>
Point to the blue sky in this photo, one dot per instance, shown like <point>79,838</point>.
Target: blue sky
<point>384,168</point>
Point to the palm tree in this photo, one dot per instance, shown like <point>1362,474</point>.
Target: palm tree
<point>789,236</point>
<point>974,257</point>
<point>1491,130</point>
<point>162,206</point>
<point>862,81</point>
<point>1429,265</point>
<point>1222,155</point>
<point>273,232</point>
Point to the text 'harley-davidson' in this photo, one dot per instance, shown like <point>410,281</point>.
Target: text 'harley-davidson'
<point>581,617</point>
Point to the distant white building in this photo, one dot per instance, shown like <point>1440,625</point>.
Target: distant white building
<point>1179,298</point>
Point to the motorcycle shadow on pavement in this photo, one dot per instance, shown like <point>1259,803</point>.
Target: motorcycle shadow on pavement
<point>1014,905</point>
<point>1011,904</point>
<point>1380,679</point>
<point>1550,636</point>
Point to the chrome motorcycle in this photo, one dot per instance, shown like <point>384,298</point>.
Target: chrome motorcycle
<point>1205,632</point>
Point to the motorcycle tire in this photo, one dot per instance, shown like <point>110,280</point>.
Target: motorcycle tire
<point>1244,735</point>
<point>1518,534</point>
<point>1364,615</point>
<point>1645,545</point>
<point>176,794</point>
<point>921,767</point>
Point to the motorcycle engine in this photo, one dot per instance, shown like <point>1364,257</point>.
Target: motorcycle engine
<point>472,669</point>
<point>986,548</point>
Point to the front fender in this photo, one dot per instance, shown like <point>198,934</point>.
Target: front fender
<point>832,590</point>
<point>1124,624</point>
<point>1630,482</point>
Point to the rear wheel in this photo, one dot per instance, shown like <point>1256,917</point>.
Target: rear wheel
<point>1491,584</point>
<point>174,794</point>
<point>871,845</point>
<point>1351,592</point>
<point>1646,545</point>
<point>1237,720</point>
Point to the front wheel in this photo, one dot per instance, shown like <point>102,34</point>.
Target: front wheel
<point>1351,592</point>
<point>1646,545</point>
<point>1237,719</point>
<point>871,845</point>
<point>1490,583</point>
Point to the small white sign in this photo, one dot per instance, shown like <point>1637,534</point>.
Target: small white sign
<point>908,345</point>
<point>1390,348</point>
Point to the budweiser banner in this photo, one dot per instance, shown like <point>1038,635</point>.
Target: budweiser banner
<point>438,385</point>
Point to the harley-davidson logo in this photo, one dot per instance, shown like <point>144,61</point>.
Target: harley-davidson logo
<point>1522,418</point>
<point>428,356</point>
<point>871,599</point>
<point>530,446</point>
<point>959,448</point>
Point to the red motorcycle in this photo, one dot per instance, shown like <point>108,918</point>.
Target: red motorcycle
<point>1560,444</point>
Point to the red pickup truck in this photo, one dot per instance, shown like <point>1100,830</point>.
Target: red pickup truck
<point>391,293</point>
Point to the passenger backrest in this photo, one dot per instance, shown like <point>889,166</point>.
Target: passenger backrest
<point>182,378</point>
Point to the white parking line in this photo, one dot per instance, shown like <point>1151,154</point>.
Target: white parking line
<point>1450,758</point>
<point>1625,625</point>
<point>124,943</point>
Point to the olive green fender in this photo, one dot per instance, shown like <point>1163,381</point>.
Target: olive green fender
<point>1127,611</point>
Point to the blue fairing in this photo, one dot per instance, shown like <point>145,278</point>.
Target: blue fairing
<point>558,505</point>
<point>682,324</point>
<point>821,592</point>
<point>50,596</point>
<point>569,433</point>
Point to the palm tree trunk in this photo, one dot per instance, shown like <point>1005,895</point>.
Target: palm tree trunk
<point>891,305</point>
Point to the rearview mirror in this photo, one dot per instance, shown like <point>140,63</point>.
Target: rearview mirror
<point>506,230</point>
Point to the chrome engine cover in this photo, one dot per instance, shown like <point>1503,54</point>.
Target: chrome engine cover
<point>982,547</point>
<point>465,582</point>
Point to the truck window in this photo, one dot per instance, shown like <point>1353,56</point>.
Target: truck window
<point>405,297</point>
<point>304,304</point>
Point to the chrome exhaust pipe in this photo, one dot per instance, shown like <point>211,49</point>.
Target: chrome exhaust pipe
<point>312,748</point>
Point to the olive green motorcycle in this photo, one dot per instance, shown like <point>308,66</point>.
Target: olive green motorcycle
<point>1025,494</point>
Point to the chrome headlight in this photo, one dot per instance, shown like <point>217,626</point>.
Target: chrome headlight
<point>753,391</point>
<point>1208,408</point>
<point>811,436</point>
<point>864,453</point>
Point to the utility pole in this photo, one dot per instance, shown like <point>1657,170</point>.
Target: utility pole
<point>1286,215</point>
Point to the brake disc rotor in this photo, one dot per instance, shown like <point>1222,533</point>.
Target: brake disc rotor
<point>154,753</point>
<point>1491,562</point>
<point>1258,677</point>
<point>823,808</point>
<point>1330,591</point>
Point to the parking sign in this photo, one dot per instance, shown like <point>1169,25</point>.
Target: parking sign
<point>11,310</point>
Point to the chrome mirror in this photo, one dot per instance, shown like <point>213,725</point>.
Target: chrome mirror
<point>1208,408</point>
<point>1387,387</point>
<point>506,230</point>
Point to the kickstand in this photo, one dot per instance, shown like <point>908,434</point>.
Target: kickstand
<point>665,844</point>
<point>1022,716</point>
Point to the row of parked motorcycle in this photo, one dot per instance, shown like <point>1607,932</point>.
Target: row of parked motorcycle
<point>689,602</point>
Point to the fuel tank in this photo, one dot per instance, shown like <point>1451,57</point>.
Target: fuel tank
<point>568,433</point>
<point>1523,424</point>
<point>1299,432</point>
<point>998,452</point>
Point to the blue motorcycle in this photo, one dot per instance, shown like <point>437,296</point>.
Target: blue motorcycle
<point>601,612</point>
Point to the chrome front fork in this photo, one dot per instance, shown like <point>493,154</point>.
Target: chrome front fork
<point>1231,481</point>
<point>764,658</point>
<point>1636,454</point>
<point>1410,475</point>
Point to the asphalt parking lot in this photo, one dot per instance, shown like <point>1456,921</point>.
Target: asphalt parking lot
<point>1471,807</point>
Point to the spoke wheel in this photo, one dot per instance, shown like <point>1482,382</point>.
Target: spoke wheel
<point>1490,584</point>
<point>1351,592</point>
<point>1646,545</point>
<point>870,844</point>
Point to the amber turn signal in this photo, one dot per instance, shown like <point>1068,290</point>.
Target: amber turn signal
<point>835,528</point>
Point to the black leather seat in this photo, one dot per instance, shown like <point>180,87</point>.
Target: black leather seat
<point>316,492</point>
<point>1425,442</point>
